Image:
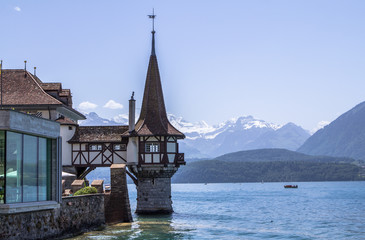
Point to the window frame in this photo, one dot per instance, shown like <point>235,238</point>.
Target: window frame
<point>97,147</point>
<point>156,148</point>
<point>122,147</point>
<point>47,162</point>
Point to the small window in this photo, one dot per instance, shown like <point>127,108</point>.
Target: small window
<point>119,147</point>
<point>95,147</point>
<point>69,128</point>
<point>152,147</point>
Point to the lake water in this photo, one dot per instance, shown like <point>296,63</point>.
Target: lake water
<point>316,210</point>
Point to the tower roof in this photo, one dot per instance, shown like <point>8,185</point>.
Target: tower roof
<point>153,118</point>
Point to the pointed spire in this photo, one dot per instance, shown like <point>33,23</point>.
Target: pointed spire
<point>153,118</point>
<point>153,16</point>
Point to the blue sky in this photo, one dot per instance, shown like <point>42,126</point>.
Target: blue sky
<point>280,61</point>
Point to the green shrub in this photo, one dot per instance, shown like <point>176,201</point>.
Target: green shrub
<point>86,190</point>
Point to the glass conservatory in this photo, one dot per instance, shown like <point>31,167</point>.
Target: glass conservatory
<point>29,160</point>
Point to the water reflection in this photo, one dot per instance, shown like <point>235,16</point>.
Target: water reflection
<point>143,227</point>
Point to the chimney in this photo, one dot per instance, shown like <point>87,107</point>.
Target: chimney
<point>132,113</point>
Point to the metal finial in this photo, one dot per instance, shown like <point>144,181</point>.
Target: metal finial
<point>153,53</point>
<point>153,20</point>
<point>35,71</point>
<point>25,65</point>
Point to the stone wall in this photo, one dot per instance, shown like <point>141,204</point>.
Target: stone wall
<point>154,195</point>
<point>154,188</point>
<point>76,215</point>
<point>117,207</point>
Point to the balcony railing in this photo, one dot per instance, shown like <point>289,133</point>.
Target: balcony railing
<point>180,159</point>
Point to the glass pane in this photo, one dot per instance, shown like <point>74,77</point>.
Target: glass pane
<point>171,157</point>
<point>44,159</point>
<point>30,169</point>
<point>171,147</point>
<point>156,158</point>
<point>52,176</point>
<point>13,167</point>
<point>2,165</point>
<point>148,158</point>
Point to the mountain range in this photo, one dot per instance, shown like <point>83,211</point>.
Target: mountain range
<point>270,165</point>
<point>334,153</point>
<point>93,119</point>
<point>344,137</point>
<point>237,134</point>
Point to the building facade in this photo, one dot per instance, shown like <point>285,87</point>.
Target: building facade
<point>149,146</point>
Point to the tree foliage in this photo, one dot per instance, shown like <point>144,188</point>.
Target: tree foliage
<point>86,190</point>
<point>215,171</point>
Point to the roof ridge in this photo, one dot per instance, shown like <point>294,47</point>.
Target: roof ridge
<point>42,88</point>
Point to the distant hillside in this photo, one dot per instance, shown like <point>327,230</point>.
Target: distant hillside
<point>269,165</point>
<point>275,155</point>
<point>344,137</point>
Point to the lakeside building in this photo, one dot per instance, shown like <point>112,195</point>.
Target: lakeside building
<point>29,163</point>
<point>153,150</point>
<point>40,138</point>
<point>32,126</point>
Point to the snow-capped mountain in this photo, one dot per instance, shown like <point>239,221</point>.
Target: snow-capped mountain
<point>189,128</point>
<point>93,119</point>
<point>236,134</point>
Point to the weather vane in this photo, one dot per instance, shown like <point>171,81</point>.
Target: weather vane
<point>153,19</point>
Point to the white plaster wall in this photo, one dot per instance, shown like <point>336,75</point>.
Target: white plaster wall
<point>117,159</point>
<point>66,135</point>
<point>132,150</point>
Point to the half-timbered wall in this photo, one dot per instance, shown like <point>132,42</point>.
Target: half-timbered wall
<point>158,149</point>
<point>98,154</point>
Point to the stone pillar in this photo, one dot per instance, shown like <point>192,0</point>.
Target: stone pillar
<point>154,195</point>
<point>99,185</point>
<point>77,185</point>
<point>117,207</point>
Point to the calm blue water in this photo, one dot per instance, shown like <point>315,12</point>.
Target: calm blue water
<point>316,210</point>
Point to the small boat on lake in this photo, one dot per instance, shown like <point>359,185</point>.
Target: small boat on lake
<point>290,186</point>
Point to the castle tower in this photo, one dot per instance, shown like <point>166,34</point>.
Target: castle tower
<point>153,146</point>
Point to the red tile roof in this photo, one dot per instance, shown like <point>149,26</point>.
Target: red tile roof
<point>21,88</point>
<point>65,93</point>
<point>87,134</point>
<point>66,121</point>
<point>51,86</point>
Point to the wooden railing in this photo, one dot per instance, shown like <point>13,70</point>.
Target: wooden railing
<point>180,159</point>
